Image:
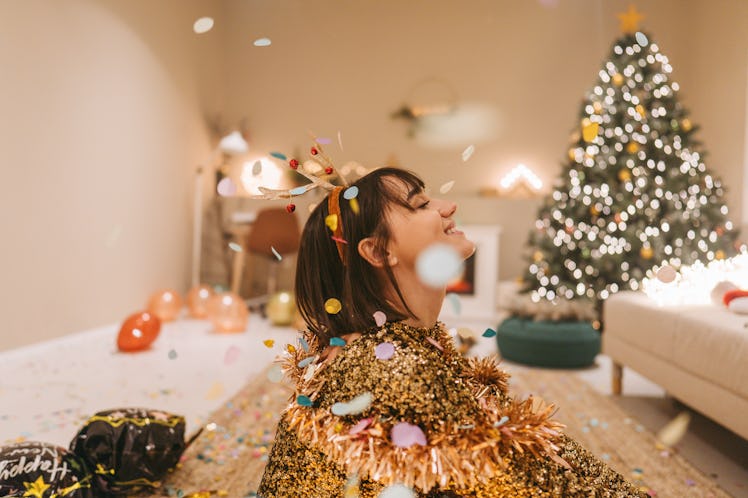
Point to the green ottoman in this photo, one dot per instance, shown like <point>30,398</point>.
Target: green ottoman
<point>547,343</point>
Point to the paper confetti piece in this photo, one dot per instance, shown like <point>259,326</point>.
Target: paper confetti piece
<point>337,341</point>
<point>298,190</point>
<point>384,351</point>
<point>360,426</point>
<point>215,391</point>
<point>454,300</point>
<point>503,420</point>
<point>338,239</point>
<point>275,374</point>
<point>674,430</point>
<point>438,264</point>
<point>269,343</point>
<point>279,155</point>
<point>397,491</point>
<point>276,253</point>
<point>203,25</point>
<point>435,344</point>
<point>333,306</point>
<point>405,435</point>
<point>468,152</point>
<point>354,206</point>
<point>357,405</point>
<point>290,348</point>
<point>262,42</point>
<point>235,247</point>
<point>489,333</point>
<point>380,318</point>
<point>172,354</point>
<point>306,361</point>
<point>350,193</point>
<point>331,220</point>
<point>231,355</point>
<point>226,187</point>
<point>447,187</point>
<point>257,168</point>
<point>304,400</point>
<point>304,344</point>
<point>324,140</point>
<point>340,140</point>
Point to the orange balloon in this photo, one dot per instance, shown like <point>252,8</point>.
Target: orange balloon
<point>197,300</point>
<point>228,312</point>
<point>165,304</point>
<point>138,331</point>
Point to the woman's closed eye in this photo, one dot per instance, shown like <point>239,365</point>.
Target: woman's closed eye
<point>424,205</point>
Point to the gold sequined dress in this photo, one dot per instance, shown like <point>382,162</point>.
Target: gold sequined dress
<point>479,442</point>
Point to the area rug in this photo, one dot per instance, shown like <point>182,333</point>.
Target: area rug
<point>229,455</point>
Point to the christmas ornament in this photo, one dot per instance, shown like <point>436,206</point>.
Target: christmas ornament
<point>624,175</point>
<point>617,79</point>
<point>686,124</point>
<point>632,148</point>
<point>589,130</point>
<point>646,252</point>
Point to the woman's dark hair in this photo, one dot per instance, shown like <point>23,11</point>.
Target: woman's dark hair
<point>321,275</point>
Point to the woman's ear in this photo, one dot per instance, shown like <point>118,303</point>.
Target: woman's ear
<point>369,250</point>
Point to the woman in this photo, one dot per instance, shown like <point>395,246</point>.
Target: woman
<point>393,403</point>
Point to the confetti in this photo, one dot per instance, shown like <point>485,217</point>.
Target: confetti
<point>468,152</point>
<point>641,39</point>
<point>354,205</point>
<point>276,253</point>
<point>172,354</point>
<point>262,42</point>
<point>405,435</point>
<point>447,187</point>
<point>231,355</point>
<point>674,430</point>
<point>338,239</point>
<point>380,318</point>
<point>215,391</point>
<point>503,420</point>
<point>226,187</point>
<point>333,306</point>
<point>304,344</point>
<point>435,344</point>
<point>290,348</point>
<point>269,343</point>
<point>304,400</point>
<point>337,341</point>
<point>454,300</point>
<point>340,140</point>
<point>235,247</point>
<point>279,155</point>
<point>203,25</point>
<point>331,220</point>
<point>275,374</point>
<point>357,405</point>
<point>360,426</point>
<point>438,264</point>
<point>489,333</point>
<point>384,351</point>
<point>306,361</point>
<point>350,193</point>
<point>257,168</point>
<point>298,190</point>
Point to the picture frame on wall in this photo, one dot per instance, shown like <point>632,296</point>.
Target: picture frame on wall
<point>475,288</point>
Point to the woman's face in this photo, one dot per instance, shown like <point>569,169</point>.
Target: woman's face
<point>430,222</point>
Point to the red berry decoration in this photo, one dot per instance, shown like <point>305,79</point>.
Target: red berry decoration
<point>314,151</point>
<point>291,208</point>
<point>294,164</point>
<point>328,170</point>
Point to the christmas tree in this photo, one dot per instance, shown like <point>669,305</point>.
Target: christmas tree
<point>634,193</point>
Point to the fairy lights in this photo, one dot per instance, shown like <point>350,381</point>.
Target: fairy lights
<point>521,172</point>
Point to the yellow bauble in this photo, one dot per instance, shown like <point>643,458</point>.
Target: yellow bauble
<point>597,107</point>
<point>537,256</point>
<point>589,130</point>
<point>640,110</point>
<point>720,254</point>
<point>572,155</point>
<point>594,211</point>
<point>281,308</point>
<point>624,175</point>
<point>685,124</point>
<point>646,252</point>
<point>618,79</point>
<point>632,148</point>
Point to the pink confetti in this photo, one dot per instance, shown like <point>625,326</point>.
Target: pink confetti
<point>231,355</point>
<point>360,426</point>
<point>324,140</point>
<point>384,351</point>
<point>435,344</point>
<point>380,318</point>
<point>405,435</point>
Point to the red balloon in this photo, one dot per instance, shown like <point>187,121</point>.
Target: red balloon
<point>732,294</point>
<point>138,331</point>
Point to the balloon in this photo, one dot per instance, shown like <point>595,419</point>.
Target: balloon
<point>281,308</point>
<point>197,300</point>
<point>129,449</point>
<point>138,331</point>
<point>165,304</point>
<point>40,469</point>
<point>228,312</point>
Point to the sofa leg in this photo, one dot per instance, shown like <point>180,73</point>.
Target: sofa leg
<point>617,378</point>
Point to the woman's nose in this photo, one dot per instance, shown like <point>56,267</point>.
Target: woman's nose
<point>447,208</point>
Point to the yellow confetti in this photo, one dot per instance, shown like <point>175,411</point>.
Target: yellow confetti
<point>354,205</point>
<point>290,348</point>
<point>333,306</point>
<point>331,220</point>
<point>215,391</point>
<point>589,130</point>
<point>269,343</point>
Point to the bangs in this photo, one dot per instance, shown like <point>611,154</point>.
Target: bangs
<point>391,194</point>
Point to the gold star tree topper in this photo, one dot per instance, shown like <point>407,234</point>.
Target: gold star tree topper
<point>630,20</point>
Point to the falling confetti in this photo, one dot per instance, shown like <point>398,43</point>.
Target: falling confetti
<point>337,341</point>
<point>324,140</point>
<point>257,168</point>
<point>397,491</point>
<point>360,426</point>
<point>226,187</point>
<point>674,430</point>
<point>447,187</point>
<point>357,405</point>
<point>354,205</point>
<point>203,25</point>
<point>262,42</point>
<point>340,140</point>
<point>275,374</point>
<point>503,420</point>
<point>384,351</point>
<point>435,344</point>
<point>215,391</point>
<point>235,247</point>
<point>454,300</point>
<point>304,344</point>
<point>338,239</point>
<point>276,253</point>
<point>350,193</point>
<point>641,39</point>
<point>231,355</point>
<point>333,306</point>
<point>468,152</point>
<point>298,190</point>
<point>269,343</point>
<point>438,264</point>
<point>305,362</point>
<point>380,318</point>
<point>489,333</point>
<point>304,400</point>
<point>172,354</point>
<point>279,155</point>
<point>331,220</point>
<point>405,435</point>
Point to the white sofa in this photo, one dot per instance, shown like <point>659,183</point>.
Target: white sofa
<point>699,354</point>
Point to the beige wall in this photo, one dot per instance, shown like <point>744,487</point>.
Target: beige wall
<point>103,104</point>
<point>101,127</point>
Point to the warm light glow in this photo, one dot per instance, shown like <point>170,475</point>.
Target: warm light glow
<point>269,175</point>
<point>694,283</point>
<point>521,172</point>
<point>284,297</point>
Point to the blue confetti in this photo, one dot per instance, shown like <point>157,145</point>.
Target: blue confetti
<point>454,299</point>
<point>297,190</point>
<point>337,341</point>
<point>304,344</point>
<point>280,156</point>
<point>501,421</point>
<point>350,193</point>
<point>306,361</point>
<point>489,333</point>
<point>304,400</point>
